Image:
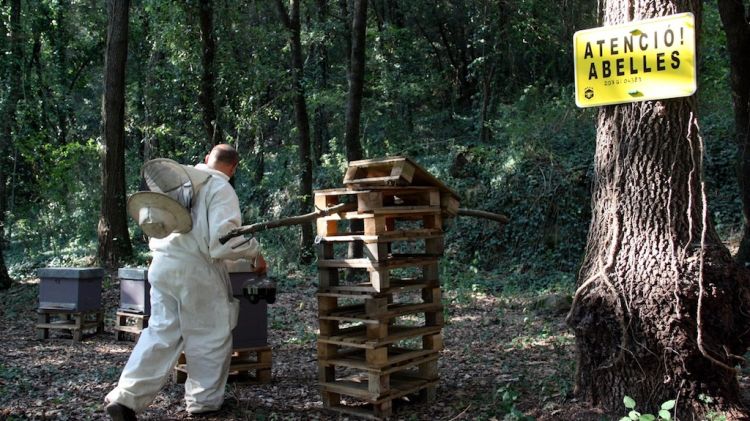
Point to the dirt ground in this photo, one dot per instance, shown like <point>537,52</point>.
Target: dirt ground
<point>502,360</point>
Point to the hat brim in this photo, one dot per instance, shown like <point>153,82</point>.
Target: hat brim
<point>183,173</point>
<point>147,199</point>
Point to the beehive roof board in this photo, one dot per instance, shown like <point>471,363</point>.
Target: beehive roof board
<point>399,171</point>
<point>636,61</point>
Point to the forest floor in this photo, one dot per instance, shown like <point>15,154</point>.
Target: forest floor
<point>505,357</point>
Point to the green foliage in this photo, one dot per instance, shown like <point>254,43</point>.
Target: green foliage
<point>634,415</point>
<point>427,67</point>
<point>505,403</point>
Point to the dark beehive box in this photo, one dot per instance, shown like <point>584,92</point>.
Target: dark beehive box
<point>75,289</point>
<point>252,324</point>
<point>134,290</point>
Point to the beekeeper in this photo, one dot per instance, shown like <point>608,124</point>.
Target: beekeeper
<point>192,308</point>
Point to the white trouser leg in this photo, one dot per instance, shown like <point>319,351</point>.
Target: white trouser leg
<point>207,332</point>
<point>153,357</point>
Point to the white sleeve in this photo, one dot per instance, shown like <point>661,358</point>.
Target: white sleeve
<point>223,216</point>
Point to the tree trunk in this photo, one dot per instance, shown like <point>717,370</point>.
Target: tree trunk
<point>292,22</point>
<point>207,96</point>
<point>352,139</point>
<point>733,16</point>
<point>320,126</point>
<point>658,310</point>
<point>8,125</point>
<point>356,81</point>
<point>114,241</point>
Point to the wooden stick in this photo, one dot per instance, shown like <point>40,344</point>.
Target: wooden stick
<point>292,220</point>
<point>484,214</point>
<point>341,207</point>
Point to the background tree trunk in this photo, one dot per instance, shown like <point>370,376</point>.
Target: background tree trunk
<point>114,240</point>
<point>207,96</point>
<point>292,22</point>
<point>356,81</point>
<point>352,139</point>
<point>657,314</point>
<point>320,126</point>
<point>8,125</point>
<point>734,18</point>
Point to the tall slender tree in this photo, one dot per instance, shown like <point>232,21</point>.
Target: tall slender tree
<point>735,19</point>
<point>291,21</point>
<point>13,70</point>
<point>356,81</point>
<point>356,77</point>
<point>207,96</point>
<point>114,240</point>
<point>658,313</point>
<point>320,125</point>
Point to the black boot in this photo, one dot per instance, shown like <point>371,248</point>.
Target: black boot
<point>119,412</point>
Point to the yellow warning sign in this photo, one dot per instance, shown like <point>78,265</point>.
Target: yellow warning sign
<point>636,61</point>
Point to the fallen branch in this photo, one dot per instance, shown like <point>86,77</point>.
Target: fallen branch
<point>341,207</point>
<point>292,220</point>
<point>484,214</point>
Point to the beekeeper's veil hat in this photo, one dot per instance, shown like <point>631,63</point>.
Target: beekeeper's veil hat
<point>165,209</point>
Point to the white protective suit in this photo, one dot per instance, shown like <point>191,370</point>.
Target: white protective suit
<point>192,307</point>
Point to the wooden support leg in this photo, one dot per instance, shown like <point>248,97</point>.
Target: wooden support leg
<point>433,295</point>
<point>380,279</point>
<point>428,370</point>
<point>100,322</point>
<point>78,327</point>
<point>264,374</point>
<point>383,409</point>
<point>43,333</point>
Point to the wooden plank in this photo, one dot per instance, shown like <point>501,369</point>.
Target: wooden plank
<point>356,336</point>
<point>387,180</point>
<point>358,313</point>
<point>392,211</point>
<point>398,359</point>
<point>366,290</point>
<point>396,261</point>
<point>421,176</point>
<point>348,191</point>
<point>388,236</point>
<point>366,162</point>
<point>401,384</point>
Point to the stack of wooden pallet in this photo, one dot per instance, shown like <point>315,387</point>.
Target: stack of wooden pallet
<point>381,315</point>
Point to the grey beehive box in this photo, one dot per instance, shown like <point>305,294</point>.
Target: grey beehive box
<point>72,289</point>
<point>135,290</point>
<point>252,324</point>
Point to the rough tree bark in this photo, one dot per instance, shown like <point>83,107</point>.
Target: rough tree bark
<point>356,81</point>
<point>734,17</point>
<point>660,310</point>
<point>356,78</point>
<point>114,240</point>
<point>8,125</point>
<point>207,96</point>
<point>291,21</point>
<point>320,125</point>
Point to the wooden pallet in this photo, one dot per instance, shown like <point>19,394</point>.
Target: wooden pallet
<point>399,171</point>
<point>378,406</point>
<point>248,366</point>
<point>377,343</point>
<point>382,211</point>
<point>74,321</point>
<point>366,290</point>
<point>372,348</point>
<point>128,326</point>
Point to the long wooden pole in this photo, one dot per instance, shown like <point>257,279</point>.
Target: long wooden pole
<point>342,207</point>
<point>292,220</point>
